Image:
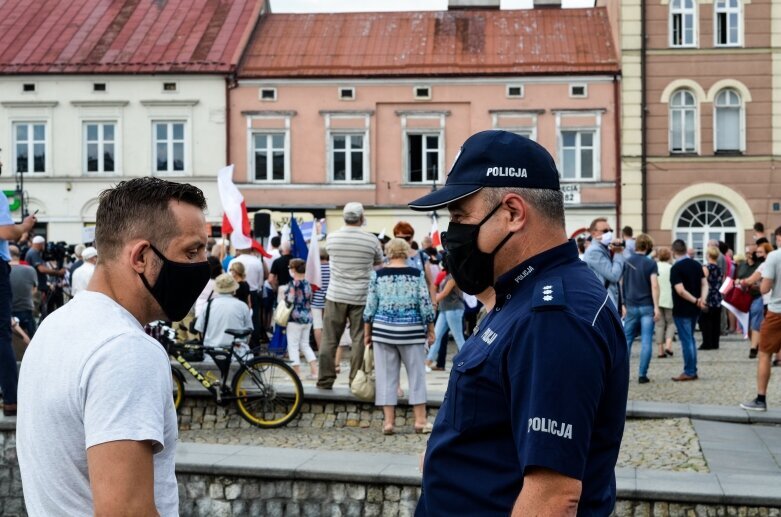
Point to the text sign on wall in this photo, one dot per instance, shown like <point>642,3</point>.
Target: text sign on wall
<point>571,193</point>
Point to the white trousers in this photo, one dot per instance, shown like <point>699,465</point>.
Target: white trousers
<point>298,341</point>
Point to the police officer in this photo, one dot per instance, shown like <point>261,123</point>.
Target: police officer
<point>534,411</point>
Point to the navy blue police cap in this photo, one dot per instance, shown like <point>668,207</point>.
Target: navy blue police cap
<point>494,159</point>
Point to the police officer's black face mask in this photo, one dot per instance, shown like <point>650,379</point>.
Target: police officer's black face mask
<point>178,285</point>
<point>472,269</point>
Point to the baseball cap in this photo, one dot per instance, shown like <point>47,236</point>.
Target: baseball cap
<point>353,208</point>
<point>89,252</point>
<point>38,240</point>
<point>494,159</point>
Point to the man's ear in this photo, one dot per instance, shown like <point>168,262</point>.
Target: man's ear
<point>140,261</point>
<point>518,210</point>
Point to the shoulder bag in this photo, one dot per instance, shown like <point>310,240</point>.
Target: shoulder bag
<point>283,311</point>
<point>363,385</point>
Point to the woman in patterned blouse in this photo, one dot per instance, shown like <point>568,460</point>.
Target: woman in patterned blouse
<point>299,294</point>
<point>399,318</point>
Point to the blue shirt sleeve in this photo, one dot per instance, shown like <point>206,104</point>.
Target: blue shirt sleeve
<point>5,211</point>
<point>555,377</point>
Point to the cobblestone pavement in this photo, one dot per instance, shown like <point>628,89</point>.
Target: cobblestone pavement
<point>669,444</point>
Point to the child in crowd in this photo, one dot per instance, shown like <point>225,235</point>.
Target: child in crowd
<point>239,273</point>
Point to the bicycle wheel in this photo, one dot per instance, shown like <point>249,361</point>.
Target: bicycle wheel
<point>268,392</point>
<point>178,391</point>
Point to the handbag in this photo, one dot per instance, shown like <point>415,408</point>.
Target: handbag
<point>363,385</point>
<point>282,314</point>
<point>738,298</point>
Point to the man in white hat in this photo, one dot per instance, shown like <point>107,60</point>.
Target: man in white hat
<point>82,276</point>
<point>223,312</point>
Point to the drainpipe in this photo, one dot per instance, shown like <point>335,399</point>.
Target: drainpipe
<point>643,118</point>
<point>230,83</point>
<point>617,131</point>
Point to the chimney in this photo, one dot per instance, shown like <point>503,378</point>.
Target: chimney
<point>472,4</point>
<point>547,4</point>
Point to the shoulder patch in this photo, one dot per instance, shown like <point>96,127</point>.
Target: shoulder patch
<point>549,295</point>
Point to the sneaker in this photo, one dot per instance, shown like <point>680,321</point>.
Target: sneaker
<point>754,405</point>
<point>643,379</point>
<point>752,354</point>
<point>428,369</point>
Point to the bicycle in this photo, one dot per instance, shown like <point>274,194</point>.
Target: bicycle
<point>266,390</point>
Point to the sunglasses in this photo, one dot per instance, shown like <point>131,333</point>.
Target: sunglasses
<point>405,237</point>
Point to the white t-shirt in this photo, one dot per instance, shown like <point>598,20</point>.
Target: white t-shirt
<point>253,269</point>
<point>90,376</point>
<point>81,278</point>
<point>771,268</point>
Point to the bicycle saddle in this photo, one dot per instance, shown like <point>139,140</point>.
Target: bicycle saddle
<point>239,333</point>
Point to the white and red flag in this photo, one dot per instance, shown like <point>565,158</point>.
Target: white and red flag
<point>435,239</point>
<point>235,219</point>
<point>313,274</point>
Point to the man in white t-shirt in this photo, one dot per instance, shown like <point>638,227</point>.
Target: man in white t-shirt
<point>96,428</point>
<point>256,273</point>
<point>83,274</point>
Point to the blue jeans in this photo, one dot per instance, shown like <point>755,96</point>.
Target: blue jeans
<point>8,372</point>
<point>640,317</point>
<point>685,326</point>
<point>453,320</point>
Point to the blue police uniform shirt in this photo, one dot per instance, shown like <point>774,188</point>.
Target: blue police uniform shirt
<point>542,382</point>
<point>5,219</point>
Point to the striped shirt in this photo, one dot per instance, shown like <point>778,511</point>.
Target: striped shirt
<point>318,299</point>
<point>353,253</point>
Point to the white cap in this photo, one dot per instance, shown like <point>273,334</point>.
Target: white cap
<point>38,240</point>
<point>353,208</point>
<point>89,252</point>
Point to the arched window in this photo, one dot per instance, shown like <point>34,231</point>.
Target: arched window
<point>704,220</point>
<point>728,122</point>
<point>683,19</point>
<point>727,30</point>
<point>683,122</point>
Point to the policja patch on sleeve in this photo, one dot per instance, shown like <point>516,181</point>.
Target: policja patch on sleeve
<point>549,295</point>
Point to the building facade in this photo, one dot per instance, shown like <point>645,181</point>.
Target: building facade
<point>703,163</point>
<point>373,107</point>
<point>130,93</point>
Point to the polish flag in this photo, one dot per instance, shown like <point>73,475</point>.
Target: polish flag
<point>435,240</point>
<point>313,274</point>
<point>234,217</point>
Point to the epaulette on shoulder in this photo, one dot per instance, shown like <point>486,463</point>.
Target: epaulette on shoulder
<point>549,295</point>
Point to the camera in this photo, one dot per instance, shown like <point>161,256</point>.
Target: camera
<point>617,244</point>
<point>56,251</point>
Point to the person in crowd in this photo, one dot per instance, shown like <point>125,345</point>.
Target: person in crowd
<point>17,329</point>
<point>298,293</point>
<point>318,302</point>
<point>239,274</point>
<point>739,260</point>
<point>690,292</point>
<point>721,262</point>
<point>274,244</point>
<point>256,273</point>
<point>399,318</point>
<point>759,234</point>
<point>759,301</point>
<point>24,282</point>
<point>279,274</point>
<point>665,326</point>
<point>215,270</point>
<point>353,254</point>
<point>222,312</point>
<point>35,259</point>
<point>710,318</point>
<point>641,301</point>
<point>9,231</point>
<point>629,242</point>
<point>78,260</point>
<point>450,316</point>
<point>531,423</point>
<point>582,243</point>
<point>418,258</point>
<point>226,255</point>
<point>605,257</point>
<point>770,341</point>
<point>83,275</point>
<point>99,435</point>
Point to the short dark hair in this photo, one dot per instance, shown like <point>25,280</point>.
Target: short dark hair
<point>215,266</point>
<point>276,241</point>
<point>549,203</point>
<point>298,265</point>
<point>759,227</point>
<point>679,247</point>
<point>777,233</point>
<point>627,230</point>
<point>140,209</point>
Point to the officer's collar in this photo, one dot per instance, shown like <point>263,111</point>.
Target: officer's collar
<point>523,273</point>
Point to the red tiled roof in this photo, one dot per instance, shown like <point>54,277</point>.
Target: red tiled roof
<point>461,42</point>
<point>123,36</point>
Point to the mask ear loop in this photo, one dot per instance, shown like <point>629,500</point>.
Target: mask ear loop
<point>162,257</point>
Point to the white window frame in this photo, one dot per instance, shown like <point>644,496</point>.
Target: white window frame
<point>696,110</point>
<point>175,90</point>
<point>521,129</point>
<point>269,162</point>
<point>267,88</point>
<point>683,11</point>
<point>572,93</point>
<point>422,97</point>
<point>341,89</point>
<point>595,148</point>
<point>31,145</point>
<point>170,147</point>
<point>348,151</point>
<point>727,10</point>
<point>509,96</point>
<point>101,143</point>
<point>440,157</point>
<point>741,118</point>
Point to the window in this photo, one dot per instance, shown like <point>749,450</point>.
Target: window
<point>100,148</point>
<point>727,30</point>
<point>268,94</point>
<point>98,87</point>
<point>423,155</point>
<point>422,92</point>
<point>28,87</point>
<point>578,90</point>
<point>347,94</point>
<point>169,147</point>
<point>269,156</point>
<point>704,220</point>
<point>347,157</point>
<point>169,87</point>
<point>578,155</point>
<point>682,23</point>
<point>729,122</point>
<point>514,91</point>
<point>683,117</point>
<point>30,146</point>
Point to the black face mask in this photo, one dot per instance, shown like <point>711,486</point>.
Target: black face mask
<point>472,269</point>
<point>758,259</point>
<point>178,285</point>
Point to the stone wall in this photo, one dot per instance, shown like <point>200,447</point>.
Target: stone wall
<point>11,498</point>
<point>203,413</point>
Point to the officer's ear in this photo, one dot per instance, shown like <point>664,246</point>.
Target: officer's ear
<point>518,210</point>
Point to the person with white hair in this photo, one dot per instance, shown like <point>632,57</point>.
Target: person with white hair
<point>256,273</point>
<point>83,275</point>
<point>77,251</point>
